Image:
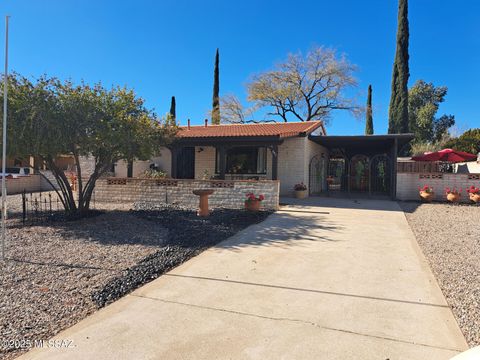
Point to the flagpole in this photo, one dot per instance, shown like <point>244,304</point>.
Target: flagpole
<point>4,141</point>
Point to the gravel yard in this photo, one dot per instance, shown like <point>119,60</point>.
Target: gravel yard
<point>449,236</point>
<point>59,272</point>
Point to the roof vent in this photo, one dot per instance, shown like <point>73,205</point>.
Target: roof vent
<point>206,122</point>
<point>188,124</point>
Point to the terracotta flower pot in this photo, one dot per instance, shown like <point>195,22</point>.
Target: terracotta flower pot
<point>427,196</point>
<point>252,205</point>
<point>454,198</point>
<point>301,194</point>
<point>475,198</point>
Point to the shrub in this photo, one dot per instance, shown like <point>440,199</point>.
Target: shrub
<point>252,197</point>
<point>426,189</point>
<point>154,174</point>
<point>454,191</point>
<point>473,190</point>
<point>300,187</point>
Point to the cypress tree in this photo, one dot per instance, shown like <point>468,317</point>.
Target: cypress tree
<point>369,120</point>
<point>216,91</point>
<point>398,112</point>
<point>173,113</point>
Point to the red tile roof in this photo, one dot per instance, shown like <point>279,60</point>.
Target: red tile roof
<point>281,130</point>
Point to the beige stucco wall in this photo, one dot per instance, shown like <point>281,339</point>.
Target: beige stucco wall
<point>31,183</point>
<point>163,160</point>
<point>204,161</point>
<point>87,164</point>
<point>472,167</point>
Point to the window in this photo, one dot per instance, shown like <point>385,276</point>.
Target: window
<point>244,160</point>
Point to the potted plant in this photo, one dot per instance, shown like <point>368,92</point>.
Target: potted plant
<point>453,195</point>
<point>300,190</point>
<point>252,203</point>
<point>474,194</point>
<point>426,193</point>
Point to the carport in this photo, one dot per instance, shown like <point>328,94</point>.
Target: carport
<point>363,164</point>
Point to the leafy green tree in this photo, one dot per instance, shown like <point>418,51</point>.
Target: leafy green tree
<point>369,113</point>
<point>469,141</point>
<point>49,118</point>
<point>424,101</point>
<point>216,92</point>
<point>398,111</point>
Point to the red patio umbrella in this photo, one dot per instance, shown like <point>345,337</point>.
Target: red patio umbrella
<point>446,155</point>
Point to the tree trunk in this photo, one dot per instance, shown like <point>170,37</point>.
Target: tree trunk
<point>100,169</point>
<point>62,181</point>
<point>79,180</point>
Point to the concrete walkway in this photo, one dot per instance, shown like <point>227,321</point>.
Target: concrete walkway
<point>344,280</point>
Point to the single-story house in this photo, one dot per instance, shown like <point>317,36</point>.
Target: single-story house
<point>292,153</point>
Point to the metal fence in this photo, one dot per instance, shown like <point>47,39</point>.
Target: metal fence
<point>40,206</point>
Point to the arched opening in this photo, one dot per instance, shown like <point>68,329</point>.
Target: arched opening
<point>380,175</point>
<point>359,173</point>
<point>317,178</point>
<point>337,174</point>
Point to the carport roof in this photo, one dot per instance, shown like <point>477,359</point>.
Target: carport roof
<point>343,141</point>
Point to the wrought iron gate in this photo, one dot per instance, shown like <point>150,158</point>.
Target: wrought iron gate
<point>359,173</point>
<point>317,171</point>
<point>380,181</point>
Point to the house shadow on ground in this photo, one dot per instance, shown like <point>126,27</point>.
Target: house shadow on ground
<point>285,228</point>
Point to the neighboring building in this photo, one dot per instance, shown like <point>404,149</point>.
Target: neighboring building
<point>289,152</point>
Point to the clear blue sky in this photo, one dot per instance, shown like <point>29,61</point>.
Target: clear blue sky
<point>165,48</point>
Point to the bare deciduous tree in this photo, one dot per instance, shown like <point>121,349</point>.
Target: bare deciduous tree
<point>305,87</point>
<point>232,111</point>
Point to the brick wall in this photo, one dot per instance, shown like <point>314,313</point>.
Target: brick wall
<point>228,194</point>
<point>408,184</point>
<point>294,157</point>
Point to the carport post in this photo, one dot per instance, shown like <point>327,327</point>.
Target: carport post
<point>174,158</point>
<point>274,150</point>
<point>222,166</point>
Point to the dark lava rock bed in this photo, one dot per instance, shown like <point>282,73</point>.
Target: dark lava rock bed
<point>188,235</point>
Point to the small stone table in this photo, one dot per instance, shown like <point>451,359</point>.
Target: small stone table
<point>203,207</point>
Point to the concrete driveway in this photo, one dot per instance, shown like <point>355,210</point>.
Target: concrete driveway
<point>327,279</point>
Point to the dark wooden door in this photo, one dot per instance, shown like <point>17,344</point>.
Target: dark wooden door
<point>186,163</point>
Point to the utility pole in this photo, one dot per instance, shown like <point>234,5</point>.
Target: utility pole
<point>4,142</point>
